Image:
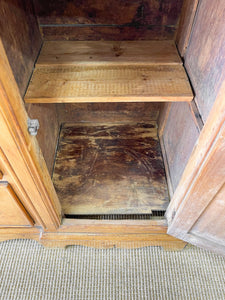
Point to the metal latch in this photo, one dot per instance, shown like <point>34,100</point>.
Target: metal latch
<point>33,126</point>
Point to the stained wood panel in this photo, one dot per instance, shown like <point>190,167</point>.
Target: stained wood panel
<point>107,33</point>
<point>109,20</point>
<point>179,137</point>
<point>110,169</point>
<point>21,38</point>
<point>205,56</point>
<point>105,12</point>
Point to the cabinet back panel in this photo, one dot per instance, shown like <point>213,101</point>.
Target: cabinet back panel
<point>108,20</point>
<point>108,112</point>
<point>21,38</point>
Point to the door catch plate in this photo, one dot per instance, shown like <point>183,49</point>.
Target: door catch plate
<point>33,126</point>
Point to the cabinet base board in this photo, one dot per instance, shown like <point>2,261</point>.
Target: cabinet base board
<point>100,234</point>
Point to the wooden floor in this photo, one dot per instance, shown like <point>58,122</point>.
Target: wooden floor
<point>146,71</point>
<point>110,169</point>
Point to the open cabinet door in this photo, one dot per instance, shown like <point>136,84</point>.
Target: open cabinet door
<point>21,160</point>
<point>196,213</point>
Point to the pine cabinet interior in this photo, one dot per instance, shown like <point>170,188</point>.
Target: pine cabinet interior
<point>129,102</point>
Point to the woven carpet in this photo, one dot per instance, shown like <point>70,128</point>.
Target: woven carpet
<point>30,271</point>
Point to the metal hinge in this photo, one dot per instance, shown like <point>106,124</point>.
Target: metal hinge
<point>33,126</point>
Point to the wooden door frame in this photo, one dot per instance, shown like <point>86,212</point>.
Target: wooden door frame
<point>20,148</point>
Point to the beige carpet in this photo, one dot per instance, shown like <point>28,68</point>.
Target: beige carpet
<point>29,271</point>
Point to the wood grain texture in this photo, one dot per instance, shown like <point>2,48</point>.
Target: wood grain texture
<point>108,112</point>
<point>21,38</point>
<point>202,181</point>
<point>115,20</point>
<point>48,132</point>
<point>107,234</point>
<point>108,84</point>
<point>179,137</point>
<point>108,72</point>
<point>205,187</point>
<point>203,227</point>
<point>106,241</point>
<point>96,53</point>
<point>110,169</point>
<point>107,33</point>
<point>206,140</point>
<point>205,56</point>
<point>187,16</point>
<point>25,232</point>
<point>101,234</point>
<point>12,212</point>
<point>23,153</point>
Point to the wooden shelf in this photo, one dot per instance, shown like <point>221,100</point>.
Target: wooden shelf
<point>110,169</point>
<point>108,72</point>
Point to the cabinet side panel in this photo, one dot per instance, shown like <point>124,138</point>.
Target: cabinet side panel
<point>179,137</point>
<point>21,38</point>
<point>48,132</point>
<point>205,55</point>
<point>185,24</point>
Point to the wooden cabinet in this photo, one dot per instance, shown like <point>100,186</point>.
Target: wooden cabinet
<point>68,86</point>
<point>12,212</point>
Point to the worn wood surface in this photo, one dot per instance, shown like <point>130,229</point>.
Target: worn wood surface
<point>205,56</point>
<point>21,38</point>
<point>179,137</point>
<point>201,183</point>
<point>49,130</point>
<point>105,12</point>
<point>108,84</point>
<point>110,169</point>
<point>187,16</point>
<point>23,153</point>
<point>95,53</point>
<point>203,227</point>
<point>115,20</point>
<point>199,202</point>
<point>12,212</point>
